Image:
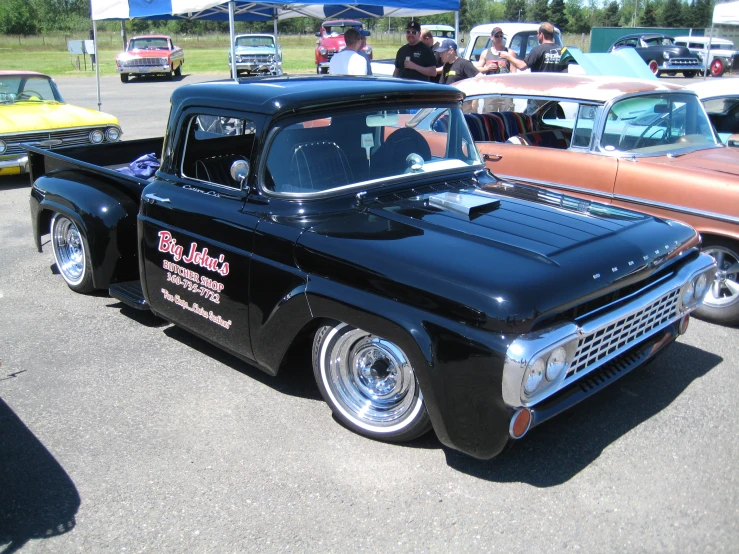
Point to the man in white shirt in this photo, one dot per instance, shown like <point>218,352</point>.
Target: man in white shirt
<point>348,61</point>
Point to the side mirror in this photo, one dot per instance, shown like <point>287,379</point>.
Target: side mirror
<point>733,140</point>
<point>240,171</point>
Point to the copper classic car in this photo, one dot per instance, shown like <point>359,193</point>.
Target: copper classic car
<point>639,144</point>
<point>150,55</point>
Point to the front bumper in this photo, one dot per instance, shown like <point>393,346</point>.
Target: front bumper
<point>682,64</point>
<point>14,166</point>
<point>273,68</point>
<point>143,69</point>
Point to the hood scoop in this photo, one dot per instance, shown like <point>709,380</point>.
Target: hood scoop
<point>469,204</point>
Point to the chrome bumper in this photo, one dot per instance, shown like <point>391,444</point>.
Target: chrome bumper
<point>676,65</point>
<point>144,69</point>
<point>273,68</point>
<point>14,166</point>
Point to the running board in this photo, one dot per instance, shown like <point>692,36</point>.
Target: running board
<point>130,293</point>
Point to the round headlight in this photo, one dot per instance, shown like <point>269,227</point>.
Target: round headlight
<point>368,50</point>
<point>556,363</point>
<point>701,285</point>
<point>688,293</point>
<point>2,146</point>
<point>666,55</point>
<point>322,51</point>
<point>534,376</point>
<point>112,134</point>
<point>97,136</point>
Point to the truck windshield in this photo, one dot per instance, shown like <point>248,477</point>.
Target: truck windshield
<point>364,147</point>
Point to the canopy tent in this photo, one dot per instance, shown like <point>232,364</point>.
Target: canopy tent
<point>723,14</point>
<point>264,10</point>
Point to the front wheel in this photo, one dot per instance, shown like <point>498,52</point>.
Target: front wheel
<point>369,384</point>
<point>71,253</point>
<point>654,67</point>
<point>689,74</point>
<point>721,304</point>
<point>124,77</point>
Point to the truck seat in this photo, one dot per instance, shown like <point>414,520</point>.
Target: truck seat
<point>217,169</point>
<point>317,166</point>
<point>555,138</point>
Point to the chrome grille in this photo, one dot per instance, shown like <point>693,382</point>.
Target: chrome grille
<point>253,59</point>
<point>68,137</point>
<point>145,62</point>
<point>618,335</point>
<point>685,62</point>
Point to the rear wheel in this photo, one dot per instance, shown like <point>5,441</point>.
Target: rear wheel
<point>721,304</point>
<point>654,67</point>
<point>369,384</point>
<point>717,67</point>
<point>178,71</point>
<point>671,73</point>
<point>689,74</point>
<point>124,77</point>
<point>71,253</point>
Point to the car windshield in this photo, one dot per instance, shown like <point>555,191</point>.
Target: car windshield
<point>255,42</point>
<point>149,44</point>
<point>367,147</point>
<point>657,123</point>
<point>659,41</point>
<point>336,30</point>
<point>23,88</point>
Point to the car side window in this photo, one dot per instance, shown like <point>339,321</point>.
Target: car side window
<point>480,44</point>
<point>516,43</point>
<point>213,144</point>
<point>531,42</point>
<point>582,133</point>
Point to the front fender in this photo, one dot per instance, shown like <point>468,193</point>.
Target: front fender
<point>103,214</point>
<point>459,368</point>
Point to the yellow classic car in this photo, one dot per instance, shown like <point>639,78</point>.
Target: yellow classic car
<point>32,111</point>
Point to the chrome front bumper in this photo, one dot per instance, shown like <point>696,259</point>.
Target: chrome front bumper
<point>14,166</point>
<point>681,64</point>
<point>274,68</point>
<point>144,69</point>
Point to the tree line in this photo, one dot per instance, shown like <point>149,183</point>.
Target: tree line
<point>33,17</point>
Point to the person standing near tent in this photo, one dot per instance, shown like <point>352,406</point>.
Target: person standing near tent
<point>455,68</point>
<point>349,61</point>
<point>414,60</point>
<point>427,37</point>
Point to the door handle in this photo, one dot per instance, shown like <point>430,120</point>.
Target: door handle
<point>492,157</point>
<point>151,198</point>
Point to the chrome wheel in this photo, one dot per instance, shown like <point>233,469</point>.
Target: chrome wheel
<point>725,289</point>
<point>70,253</point>
<point>654,67</point>
<point>369,383</point>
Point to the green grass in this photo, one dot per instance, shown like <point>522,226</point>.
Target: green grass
<point>203,54</point>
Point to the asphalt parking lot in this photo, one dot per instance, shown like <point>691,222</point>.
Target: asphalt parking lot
<point>119,432</point>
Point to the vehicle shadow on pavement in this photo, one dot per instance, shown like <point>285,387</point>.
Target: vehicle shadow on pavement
<point>37,498</point>
<point>12,182</point>
<point>295,377</point>
<point>559,449</point>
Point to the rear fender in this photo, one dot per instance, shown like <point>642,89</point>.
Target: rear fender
<point>103,214</point>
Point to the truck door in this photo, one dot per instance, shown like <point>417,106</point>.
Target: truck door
<point>195,240</point>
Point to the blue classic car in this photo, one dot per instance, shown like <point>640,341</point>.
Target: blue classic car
<point>257,54</point>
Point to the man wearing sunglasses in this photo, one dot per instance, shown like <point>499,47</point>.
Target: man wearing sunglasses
<point>414,60</point>
<point>491,61</point>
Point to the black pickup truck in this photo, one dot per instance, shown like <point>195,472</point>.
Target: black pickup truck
<point>362,225</point>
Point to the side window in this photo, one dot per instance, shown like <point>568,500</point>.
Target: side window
<point>478,47</point>
<point>213,144</point>
<point>582,133</point>
<point>516,43</point>
<point>531,42</point>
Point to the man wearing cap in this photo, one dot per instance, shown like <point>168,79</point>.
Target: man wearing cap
<point>455,68</point>
<point>414,60</point>
<point>545,57</point>
<point>362,45</point>
<point>348,61</point>
<point>490,60</point>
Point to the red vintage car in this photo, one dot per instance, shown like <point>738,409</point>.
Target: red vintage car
<point>150,55</point>
<point>331,40</point>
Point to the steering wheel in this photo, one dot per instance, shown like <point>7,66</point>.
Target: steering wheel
<point>643,136</point>
<point>28,95</point>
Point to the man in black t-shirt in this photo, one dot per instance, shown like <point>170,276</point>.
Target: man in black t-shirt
<point>545,57</point>
<point>414,60</point>
<point>455,68</point>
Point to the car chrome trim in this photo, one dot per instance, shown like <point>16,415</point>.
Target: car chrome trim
<point>680,209</point>
<point>661,302</point>
<point>549,184</point>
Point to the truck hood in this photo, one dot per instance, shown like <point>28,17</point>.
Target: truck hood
<point>254,51</point>
<point>719,160</point>
<point>333,43</point>
<point>503,270</point>
<point>39,116</point>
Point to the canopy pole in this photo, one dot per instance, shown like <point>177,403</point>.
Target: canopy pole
<point>708,53</point>
<point>97,59</point>
<point>456,28</point>
<point>274,26</point>
<point>232,37</point>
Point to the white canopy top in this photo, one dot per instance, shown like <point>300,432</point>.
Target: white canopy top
<point>726,14</point>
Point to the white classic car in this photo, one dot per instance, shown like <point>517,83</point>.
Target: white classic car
<point>722,52</point>
<point>257,54</point>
